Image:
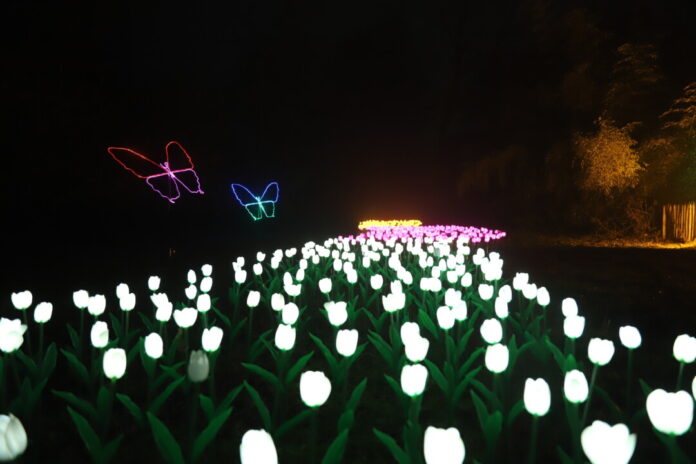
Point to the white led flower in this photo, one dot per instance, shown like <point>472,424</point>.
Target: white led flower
<point>191,291</point>
<point>325,285</point>
<point>684,348</point>
<point>122,289</point>
<point>277,301</point>
<point>290,313</point>
<point>520,280</point>
<point>485,291</point>
<point>285,337</point>
<point>393,302</point>
<point>127,302</point>
<point>537,397</point>
<point>529,291</point>
<point>203,303</point>
<point>573,326</point>
<point>81,299</point>
<point>505,293</point>
<point>260,256</point>
<point>153,283</point>
<point>257,448</point>
<point>315,388</point>
<point>211,339</point>
<point>206,284</point>
<point>96,305</point>
<point>491,331</point>
<point>346,342</point>
<point>466,280</point>
<point>543,297</point>
<point>198,366</point>
<point>497,358</point>
<point>158,299</point>
<point>445,318</point>
<point>376,281</point>
<point>21,300</point>
<point>164,311</point>
<point>13,438</point>
<point>257,269</point>
<point>417,348</point>
<point>600,351</point>
<point>501,307</point>
<point>114,363</point>
<point>452,297</point>
<point>575,386</point>
<point>409,331</point>
<point>99,335</point>
<point>253,299</point>
<point>185,317</point>
<point>443,446</point>
<point>459,311</point>
<point>293,290</point>
<point>569,307</point>
<point>11,334</point>
<point>630,337</point>
<point>336,312</point>
<point>605,444</point>
<point>191,276</point>
<point>413,378</point>
<point>43,312</point>
<point>206,270</point>
<point>670,413</point>
<point>154,346</point>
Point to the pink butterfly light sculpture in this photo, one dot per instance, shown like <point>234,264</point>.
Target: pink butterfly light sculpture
<point>164,178</point>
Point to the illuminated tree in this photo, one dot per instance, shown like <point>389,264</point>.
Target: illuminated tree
<point>682,113</point>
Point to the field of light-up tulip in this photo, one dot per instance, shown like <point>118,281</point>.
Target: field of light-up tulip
<point>406,344</point>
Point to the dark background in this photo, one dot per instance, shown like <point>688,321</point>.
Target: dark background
<point>358,109</point>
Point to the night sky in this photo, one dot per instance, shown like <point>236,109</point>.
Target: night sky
<point>358,109</point>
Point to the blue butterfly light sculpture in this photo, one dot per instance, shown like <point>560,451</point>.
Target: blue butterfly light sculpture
<point>258,207</point>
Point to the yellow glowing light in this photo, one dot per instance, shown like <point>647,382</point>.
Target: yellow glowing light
<point>389,223</point>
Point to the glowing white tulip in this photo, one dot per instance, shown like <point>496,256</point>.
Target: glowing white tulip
<point>240,276</point>
<point>293,290</point>
<point>575,386</point>
<point>153,283</point>
<point>337,312</point>
<point>443,446</point>
<point>413,378</point>
<point>96,305</point>
<point>393,302</point>
<point>21,300</point>
<point>203,303</point>
<point>630,337</point>
<point>206,270</point>
<point>277,301</point>
<point>13,438</point>
<point>315,388</point>
<point>81,299</point>
<point>537,397</point>
<point>693,387</point>
<point>185,317</point>
<point>99,335</point>
<point>191,276</point>
<point>191,291</point>
<point>396,287</point>
<point>605,444</point>
<point>253,299</point>
<point>325,285</point>
<point>452,297</point>
<point>497,358</point>
<point>459,311</point>
<point>670,413</point>
<point>485,291</point>
<point>543,297</point>
<point>600,351</point>
<point>529,291</point>
<point>501,308</point>
<point>11,334</point>
<point>43,312</point>
<point>467,280</point>
<point>206,284</point>
<point>346,342</point>
<point>569,307</point>
<point>164,312</point>
<point>417,348</point>
<point>260,256</point>
<point>290,313</point>
<point>114,363</point>
<point>159,299</point>
<point>257,448</point>
<point>127,302</point>
<point>154,347</point>
<point>491,331</point>
<point>573,326</point>
<point>198,366</point>
<point>285,337</point>
<point>409,331</point>
<point>520,280</point>
<point>505,293</point>
<point>684,348</point>
<point>299,276</point>
<point>445,318</point>
<point>122,289</point>
<point>211,339</point>
<point>257,269</point>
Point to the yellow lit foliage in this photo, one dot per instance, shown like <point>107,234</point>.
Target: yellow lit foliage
<point>389,223</point>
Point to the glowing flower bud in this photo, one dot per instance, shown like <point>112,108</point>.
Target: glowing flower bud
<point>346,342</point>
<point>11,334</point>
<point>443,446</point>
<point>529,291</point>
<point>122,290</point>
<point>96,305</point>
<point>325,285</point>
<point>164,312</point>
<point>13,438</point>
<point>467,280</point>
<point>575,386</point>
<point>198,366</point>
<point>459,311</point>
<point>497,358</point>
<point>293,290</point>
<point>537,397</point>
<point>605,444</point>
<point>501,308</point>
<point>600,351</point>
<point>684,348</point>
<point>393,302</point>
<point>569,307</point>
<point>520,280</point>
<point>154,346</point>
<point>253,299</point>
<point>81,299</point>
<point>315,388</point>
<point>376,281</point>
<point>257,269</point>
<point>185,317</point>
<point>670,413</point>
<point>114,363</point>
<point>543,297</point>
<point>206,270</point>
<point>240,276</point>
<point>191,291</point>
<point>505,293</point>
<point>285,337</point>
<point>203,303</point>
<point>257,448</point>
<point>21,300</point>
<point>191,276</point>
<point>573,326</point>
<point>413,378</point>
<point>485,291</point>
<point>99,334</point>
<point>127,302</point>
<point>206,284</point>
<point>491,331</point>
<point>211,339</point>
<point>445,318</point>
<point>409,331</point>
<point>159,298</point>
<point>260,256</point>
<point>299,276</point>
<point>417,348</point>
<point>290,313</point>
<point>336,312</point>
<point>630,337</point>
<point>43,312</point>
<point>452,297</point>
<point>396,287</point>
<point>277,301</point>
<point>153,283</point>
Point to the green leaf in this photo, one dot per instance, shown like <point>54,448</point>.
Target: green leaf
<point>381,346</point>
<point>110,449</point>
<point>463,342</point>
<point>557,354</point>
<point>645,387</point>
<point>569,363</point>
<point>356,395</point>
<point>147,322</point>
<point>428,323</point>
<point>225,320</point>
<point>132,408</point>
<point>162,397</point>
<point>297,367</point>
<point>290,423</point>
<point>438,376</point>
<point>330,358</point>
<point>346,420</point>
<point>260,406</point>
<point>493,427</point>
<point>166,443</point>
<point>87,434</point>
<point>258,346</point>
<point>266,375</point>
<point>565,459</point>
<point>481,410</point>
<point>28,363</point>
<point>394,385</point>
<point>334,454</point>
<point>227,402</point>
<point>49,361</point>
<point>84,406</point>
<point>464,368</point>
<point>207,406</point>
<point>490,397</point>
<point>395,450</point>
<point>74,338</point>
<point>515,411</point>
<point>209,433</point>
<point>79,368</point>
<point>103,402</point>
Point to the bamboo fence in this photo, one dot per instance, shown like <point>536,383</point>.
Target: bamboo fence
<point>679,222</point>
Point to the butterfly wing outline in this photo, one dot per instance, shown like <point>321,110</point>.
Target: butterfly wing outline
<point>181,167</point>
<point>269,198</point>
<point>257,207</point>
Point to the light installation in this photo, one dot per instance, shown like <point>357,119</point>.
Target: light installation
<point>430,232</point>
<point>164,178</point>
<point>261,206</point>
<point>389,223</point>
